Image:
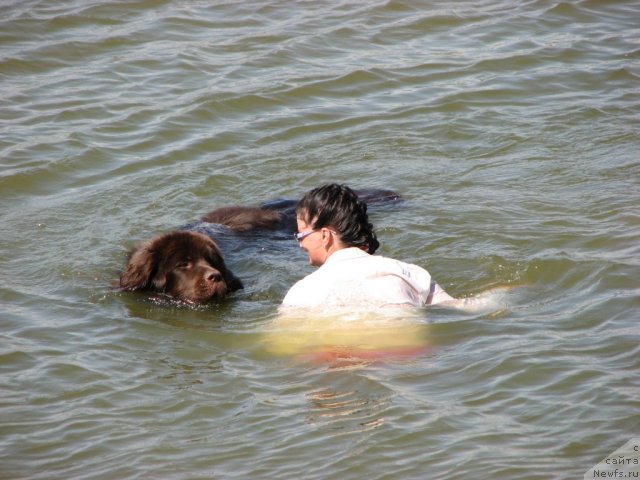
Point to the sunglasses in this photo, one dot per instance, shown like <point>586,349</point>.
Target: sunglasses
<point>299,236</point>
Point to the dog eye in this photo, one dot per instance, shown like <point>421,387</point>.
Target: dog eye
<point>184,264</point>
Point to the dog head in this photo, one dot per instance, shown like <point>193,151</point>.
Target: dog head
<point>184,265</point>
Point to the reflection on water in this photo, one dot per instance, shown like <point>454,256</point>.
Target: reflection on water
<point>348,411</point>
<point>348,336</point>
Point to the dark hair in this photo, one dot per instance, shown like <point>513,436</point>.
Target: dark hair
<point>338,207</point>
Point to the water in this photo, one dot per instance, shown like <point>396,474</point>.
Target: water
<point>511,129</point>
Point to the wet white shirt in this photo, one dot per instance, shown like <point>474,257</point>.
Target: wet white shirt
<point>351,277</point>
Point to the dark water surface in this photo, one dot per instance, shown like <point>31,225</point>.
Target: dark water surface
<point>512,131</point>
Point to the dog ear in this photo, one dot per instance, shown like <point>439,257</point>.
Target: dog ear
<point>139,269</point>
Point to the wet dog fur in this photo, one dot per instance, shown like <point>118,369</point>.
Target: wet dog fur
<point>186,266</point>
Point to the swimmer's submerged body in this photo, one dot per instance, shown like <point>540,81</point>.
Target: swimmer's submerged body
<point>334,229</point>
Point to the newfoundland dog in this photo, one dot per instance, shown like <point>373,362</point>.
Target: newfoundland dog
<point>188,265</point>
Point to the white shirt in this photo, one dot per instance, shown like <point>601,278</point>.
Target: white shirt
<point>352,277</point>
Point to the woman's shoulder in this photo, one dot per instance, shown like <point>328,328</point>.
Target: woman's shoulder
<point>382,259</point>
<point>409,271</point>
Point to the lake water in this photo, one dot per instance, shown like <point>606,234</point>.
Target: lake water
<point>510,128</point>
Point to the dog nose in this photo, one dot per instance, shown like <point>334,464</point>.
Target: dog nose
<point>214,277</point>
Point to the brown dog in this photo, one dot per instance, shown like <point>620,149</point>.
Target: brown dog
<point>187,266</point>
